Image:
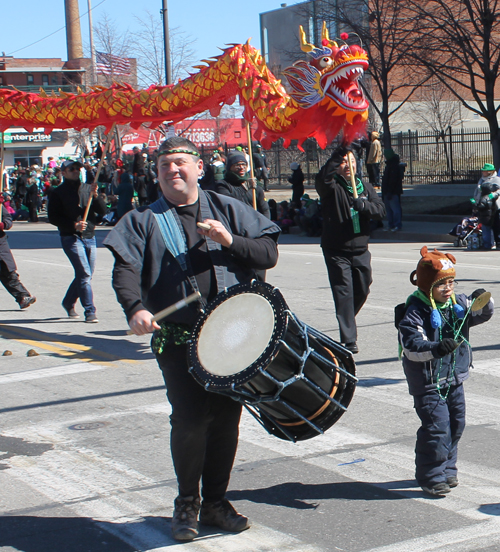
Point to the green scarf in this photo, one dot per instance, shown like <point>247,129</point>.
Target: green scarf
<point>235,179</point>
<point>341,180</point>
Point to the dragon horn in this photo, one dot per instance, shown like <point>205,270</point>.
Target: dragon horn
<point>304,45</point>
<point>325,36</point>
<point>324,32</point>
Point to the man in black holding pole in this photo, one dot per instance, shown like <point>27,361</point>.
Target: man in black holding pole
<point>66,210</point>
<point>346,231</point>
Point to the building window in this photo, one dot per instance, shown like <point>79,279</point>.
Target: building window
<point>1,81</point>
<point>237,134</point>
<point>29,79</point>
<point>45,80</point>
<point>28,157</point>
<point>54,80</point>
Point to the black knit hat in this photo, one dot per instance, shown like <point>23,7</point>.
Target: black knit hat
<point>235,157</point>
<point>338,155</point>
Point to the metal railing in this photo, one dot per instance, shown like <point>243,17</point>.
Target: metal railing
<point>455,156</point>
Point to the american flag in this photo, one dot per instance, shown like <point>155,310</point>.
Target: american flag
<point>108,64</point>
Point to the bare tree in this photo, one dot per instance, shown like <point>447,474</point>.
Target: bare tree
<point>461,47</point>
<point>109,40</point>
<point>435,107</point>
<point>388,31</point>
<point>148,44</point>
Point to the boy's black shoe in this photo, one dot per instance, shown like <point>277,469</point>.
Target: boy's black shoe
<point>438,489</point>
<point>452,481</point>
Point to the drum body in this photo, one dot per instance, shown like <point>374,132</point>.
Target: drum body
<point>296,381</point>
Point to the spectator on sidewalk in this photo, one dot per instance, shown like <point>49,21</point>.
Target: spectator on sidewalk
<point>373,160</point>
<point>297,182</point>
<point>261,170</point>
<point>392,189</point>
<point>485,204</point>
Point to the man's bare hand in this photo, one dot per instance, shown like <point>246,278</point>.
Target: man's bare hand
<point>217,232</point>
<point>142,323</point>
<point>80,226</point>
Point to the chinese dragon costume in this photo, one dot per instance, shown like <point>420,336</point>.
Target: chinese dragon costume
<point>324,99</point>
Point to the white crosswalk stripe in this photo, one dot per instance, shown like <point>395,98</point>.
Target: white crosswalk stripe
<point>131,505</point>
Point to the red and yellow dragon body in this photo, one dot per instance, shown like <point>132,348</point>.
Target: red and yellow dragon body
<point>325,98</point>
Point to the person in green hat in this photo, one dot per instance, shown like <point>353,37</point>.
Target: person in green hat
<point>485,205</point>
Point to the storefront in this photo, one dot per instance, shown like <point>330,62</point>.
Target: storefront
<point>33,148</point>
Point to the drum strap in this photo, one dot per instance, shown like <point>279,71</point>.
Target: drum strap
<point>175,240</point>
<point>171,231</point>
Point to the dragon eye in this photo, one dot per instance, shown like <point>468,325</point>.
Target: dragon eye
<point>325,62</point>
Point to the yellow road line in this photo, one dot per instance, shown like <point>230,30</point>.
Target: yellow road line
<point>61,348</point>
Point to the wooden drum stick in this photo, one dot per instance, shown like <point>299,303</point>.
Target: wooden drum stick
<point>173,308</point>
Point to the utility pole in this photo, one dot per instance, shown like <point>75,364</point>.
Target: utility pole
<point>166,40</point>
<point>93,79</point>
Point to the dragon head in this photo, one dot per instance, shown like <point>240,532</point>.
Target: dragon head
<point>333,73</point>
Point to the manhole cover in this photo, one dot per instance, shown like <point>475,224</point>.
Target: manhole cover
<point>88,426</point>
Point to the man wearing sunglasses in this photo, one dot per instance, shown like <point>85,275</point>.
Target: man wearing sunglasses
<point>66,211</point>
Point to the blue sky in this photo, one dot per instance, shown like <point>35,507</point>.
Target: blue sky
<point>212,24</point>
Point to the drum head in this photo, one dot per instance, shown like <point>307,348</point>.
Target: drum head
<point>238,333</point>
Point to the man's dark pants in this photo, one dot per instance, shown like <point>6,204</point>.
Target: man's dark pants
<point>204,434</point>
<point>443,422</point>
<point>12,283</point>
<point>350,279</point>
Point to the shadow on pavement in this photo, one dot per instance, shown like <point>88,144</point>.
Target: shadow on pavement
<point>375,382</point>
<point>83,398</point>
<point>297,495</point>
<point>84,534</point>
<point>98,348</point>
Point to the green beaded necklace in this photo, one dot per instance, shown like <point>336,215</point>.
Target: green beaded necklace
<point>457,333</point>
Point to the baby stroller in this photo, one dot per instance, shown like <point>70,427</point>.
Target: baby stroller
<point>468,233</point>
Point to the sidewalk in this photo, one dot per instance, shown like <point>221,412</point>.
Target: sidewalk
<point>433,229</point>
<point>423,228</point>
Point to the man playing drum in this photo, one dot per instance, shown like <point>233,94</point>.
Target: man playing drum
<point>161,257</point>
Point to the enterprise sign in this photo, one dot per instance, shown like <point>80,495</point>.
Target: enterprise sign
<point>37,137</point>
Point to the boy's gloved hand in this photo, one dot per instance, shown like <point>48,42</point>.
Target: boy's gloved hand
<point>445,347</point>
<point>477,293</point>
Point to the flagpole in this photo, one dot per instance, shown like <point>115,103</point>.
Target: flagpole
<point>166,43</point>
<point>93,79</point>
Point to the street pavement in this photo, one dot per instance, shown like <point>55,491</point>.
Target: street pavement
<point>84,431</point>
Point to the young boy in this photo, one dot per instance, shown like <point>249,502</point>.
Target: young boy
<point>434,335</point>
